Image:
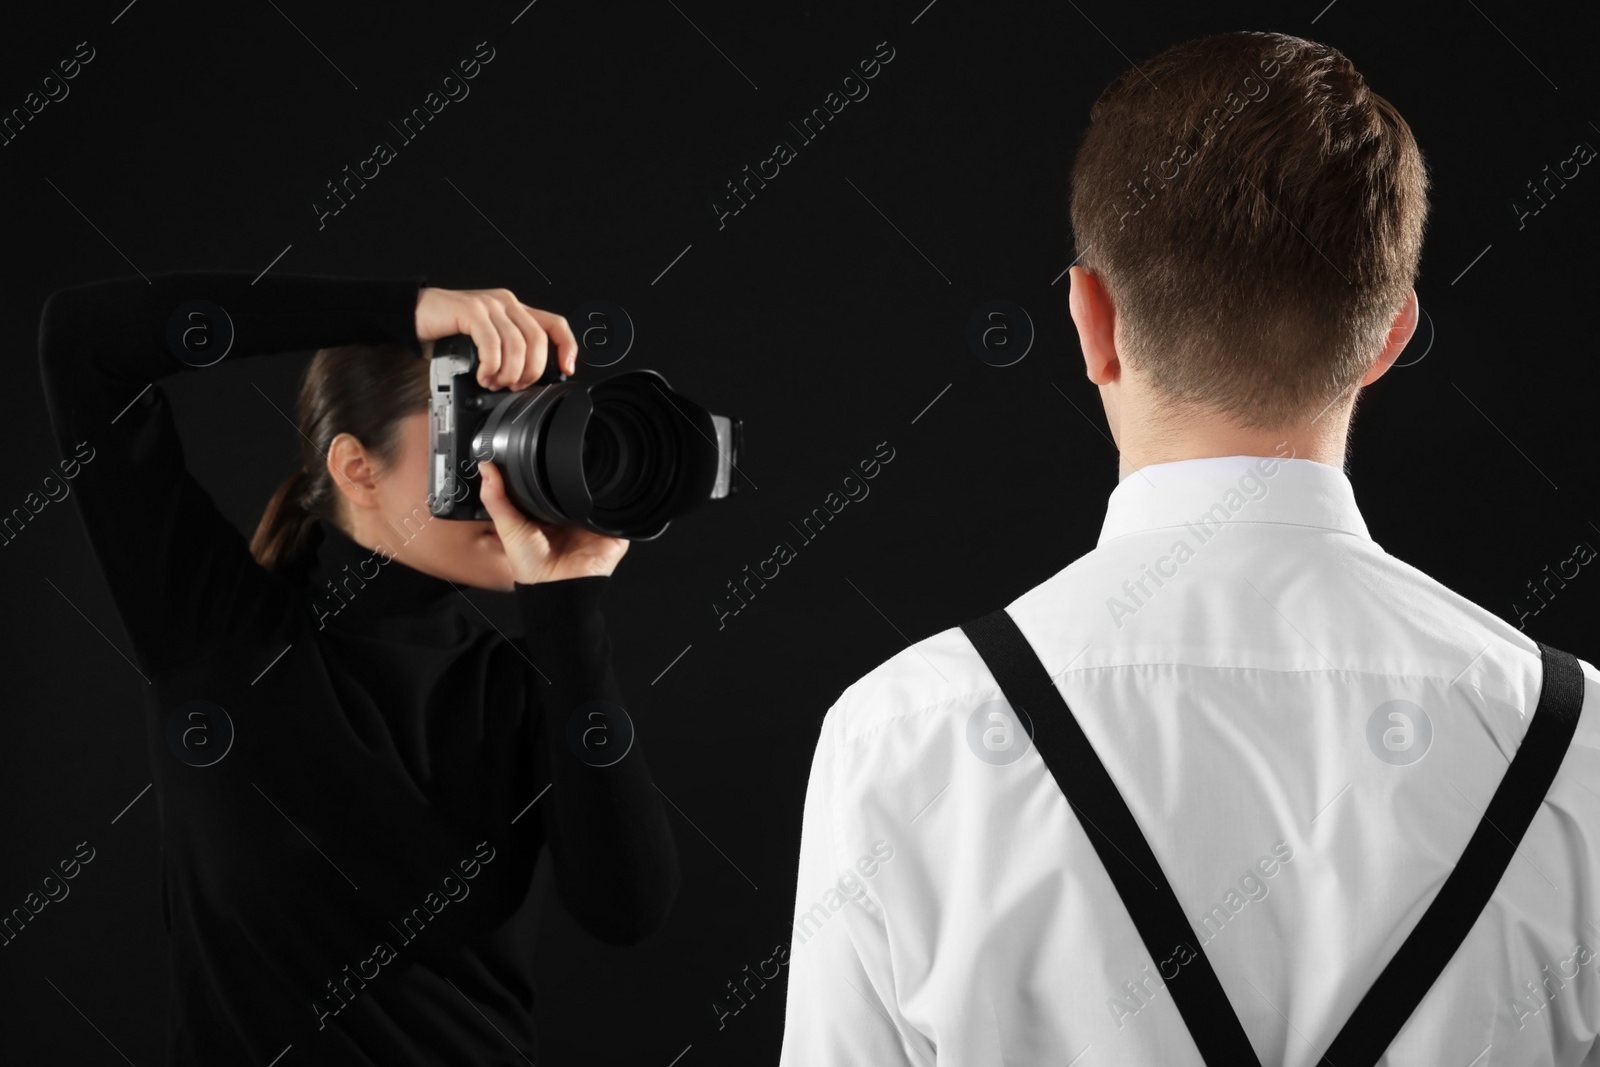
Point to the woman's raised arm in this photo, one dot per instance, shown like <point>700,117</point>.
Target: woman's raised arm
<point>181,575</point>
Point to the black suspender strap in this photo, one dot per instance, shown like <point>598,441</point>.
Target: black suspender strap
<point>1465,893</point>
<point>1160,919</point>
<point>1110,826</point>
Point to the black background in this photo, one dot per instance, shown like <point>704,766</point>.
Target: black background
<point>828,314</point>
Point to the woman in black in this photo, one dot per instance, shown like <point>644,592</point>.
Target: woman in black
<point>355,770</point>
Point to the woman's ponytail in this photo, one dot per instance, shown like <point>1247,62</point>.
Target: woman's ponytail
<point>282,536</point>
<point>363,390</point>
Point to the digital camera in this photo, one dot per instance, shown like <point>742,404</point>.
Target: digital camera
<point>622,456</point>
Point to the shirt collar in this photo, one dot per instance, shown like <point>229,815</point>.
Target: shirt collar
<point>366,587</point>
<point>1295,492</point>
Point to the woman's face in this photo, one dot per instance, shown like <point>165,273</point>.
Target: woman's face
<point>388,508</point>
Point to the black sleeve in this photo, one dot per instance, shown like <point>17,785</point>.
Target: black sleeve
<point>615,861</point>
<point>181,575</point>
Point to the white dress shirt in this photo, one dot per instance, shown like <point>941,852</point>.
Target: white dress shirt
<point>1307,730</point>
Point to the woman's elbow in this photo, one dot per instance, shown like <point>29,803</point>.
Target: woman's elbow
<point>627,918</point>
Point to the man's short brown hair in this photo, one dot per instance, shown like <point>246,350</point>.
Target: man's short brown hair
<point>1255,212</point>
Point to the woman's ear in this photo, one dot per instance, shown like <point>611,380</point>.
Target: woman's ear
<point>354,473</point>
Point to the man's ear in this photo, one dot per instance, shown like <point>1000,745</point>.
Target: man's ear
<point>1096,319</point>
<point>1400,333</point>
<point>354,474</point>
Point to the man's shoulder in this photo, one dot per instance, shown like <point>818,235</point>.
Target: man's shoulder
<point>936,676</point>
<point>917,682</point>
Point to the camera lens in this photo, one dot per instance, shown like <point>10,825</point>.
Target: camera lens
<point>624,456</point>
<point>603,456</point>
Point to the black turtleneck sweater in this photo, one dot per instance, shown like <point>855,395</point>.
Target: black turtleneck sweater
<point>352,800</point>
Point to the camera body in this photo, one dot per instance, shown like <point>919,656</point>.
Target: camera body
<point>622,456</point>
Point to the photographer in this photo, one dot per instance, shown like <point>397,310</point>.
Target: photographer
<point>364,731</point>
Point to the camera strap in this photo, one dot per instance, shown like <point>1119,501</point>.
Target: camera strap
<point>1159,917</point>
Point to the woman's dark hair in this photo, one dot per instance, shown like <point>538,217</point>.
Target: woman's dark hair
<point>362,390</point>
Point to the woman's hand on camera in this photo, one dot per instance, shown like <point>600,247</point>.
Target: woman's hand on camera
<point>512,338</point>
<point>540,552</point>
<point>513,342</point>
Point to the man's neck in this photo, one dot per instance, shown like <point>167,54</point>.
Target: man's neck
<point>1323,441</point>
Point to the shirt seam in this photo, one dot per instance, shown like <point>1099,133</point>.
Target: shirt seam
<point>1243,522</point>
<point>1054,678</point>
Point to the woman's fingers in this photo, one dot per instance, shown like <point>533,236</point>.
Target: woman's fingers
<point>487,339</point>
<point>538,344</point>
<point>508,521</point>
<point>513,345</point>
<point>513,339</point>
<point>561,333</point>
